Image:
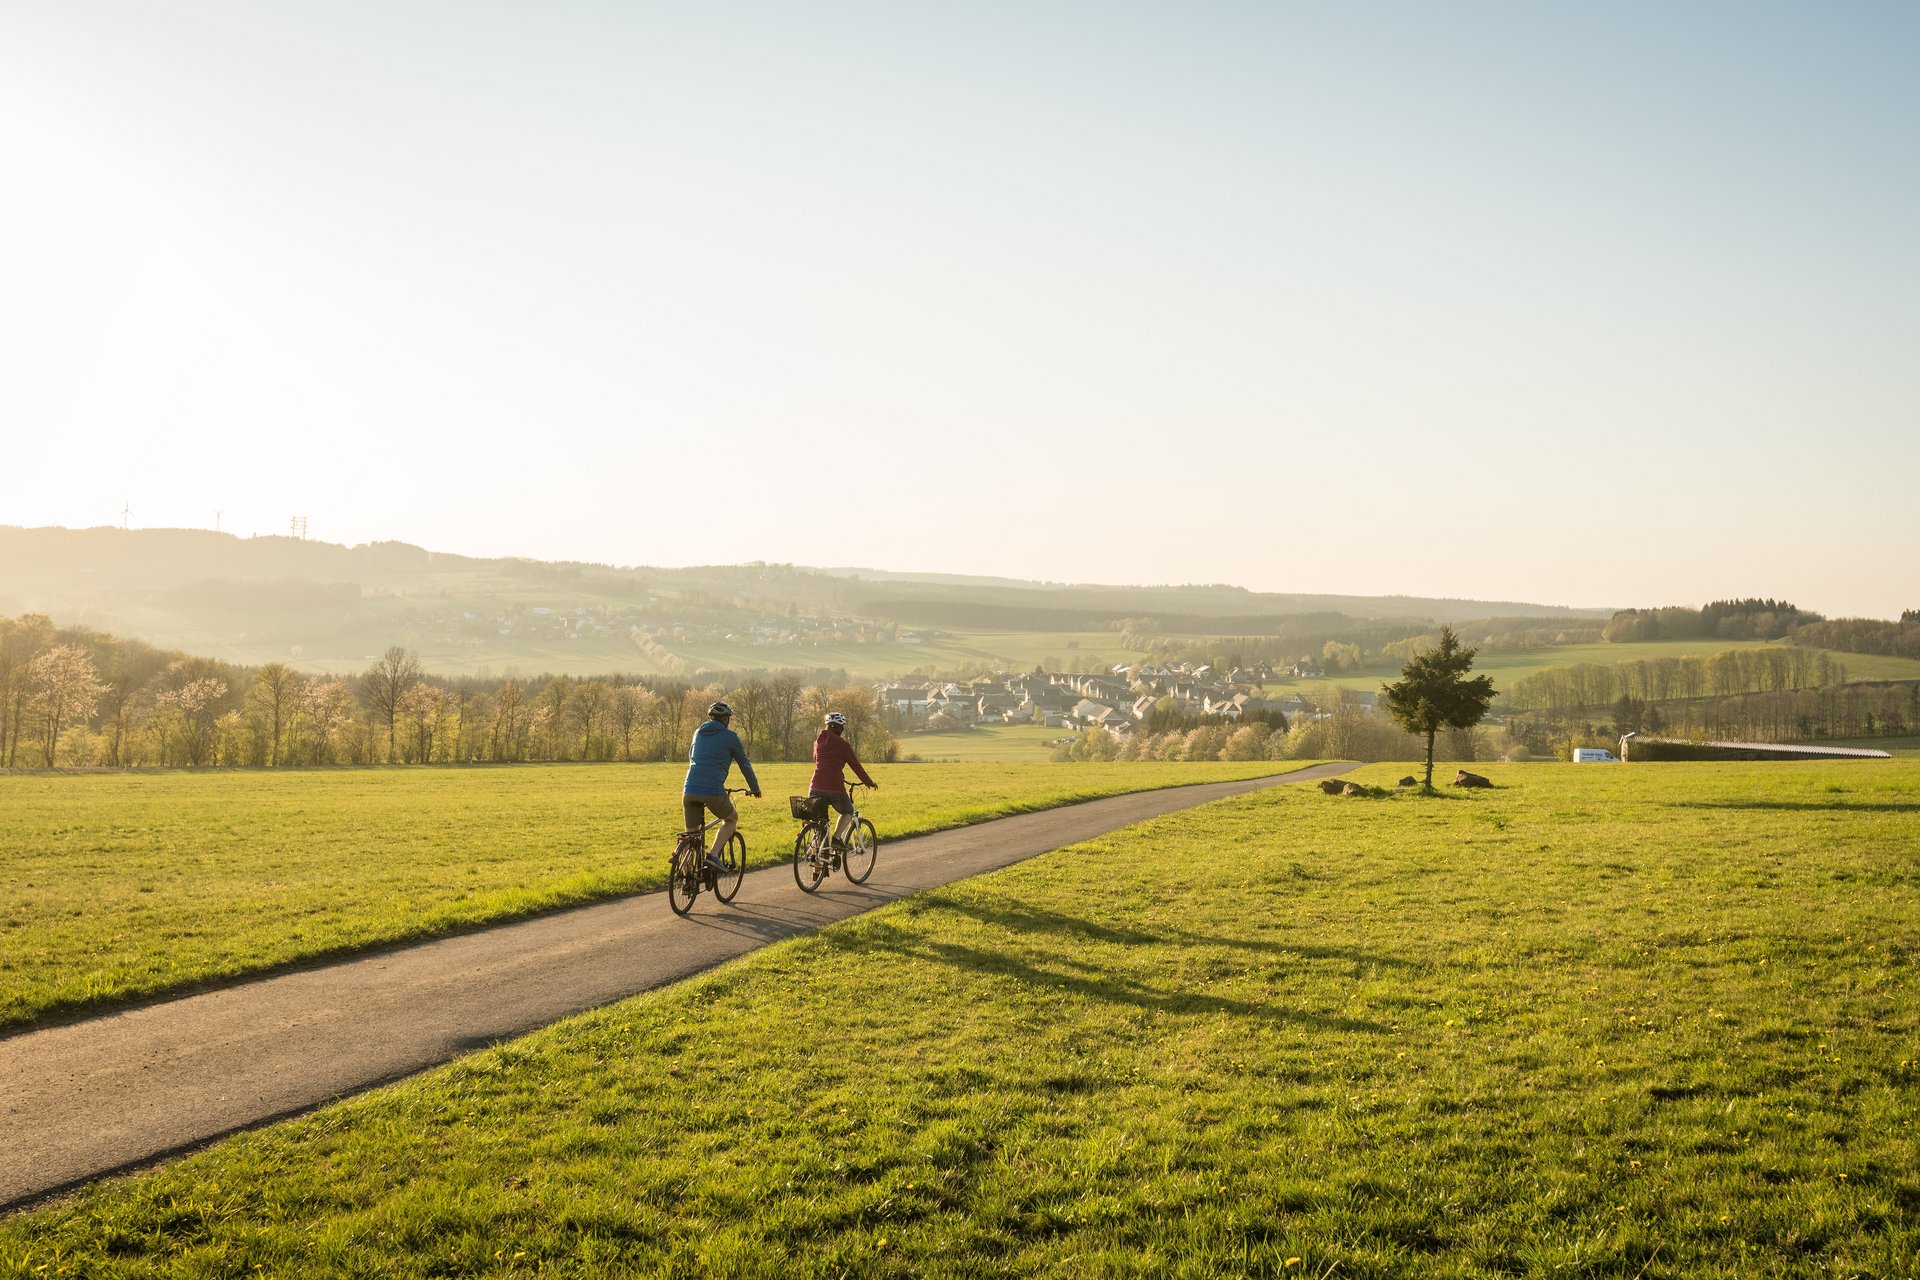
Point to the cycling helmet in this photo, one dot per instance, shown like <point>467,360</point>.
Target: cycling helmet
<point>719,709</point>
<point>834,717</point>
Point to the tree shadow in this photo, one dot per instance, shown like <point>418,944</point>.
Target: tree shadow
<point>1077,977</point>
<point>1026,919</point>
<point>1804,806</point>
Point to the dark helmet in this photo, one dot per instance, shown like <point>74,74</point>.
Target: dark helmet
<point>719,709</point>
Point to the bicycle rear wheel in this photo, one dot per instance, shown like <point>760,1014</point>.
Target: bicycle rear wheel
<point>683,877</point>
<point>862,847</point>
<point>727,883</point>
<point>809,863</point>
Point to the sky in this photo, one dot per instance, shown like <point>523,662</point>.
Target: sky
<point>1594,305</point>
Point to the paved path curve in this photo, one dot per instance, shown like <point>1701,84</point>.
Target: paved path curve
<point>113,1092</point>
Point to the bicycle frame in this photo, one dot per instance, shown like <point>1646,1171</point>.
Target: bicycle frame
<point>814,853</point>
<point>688,871</point>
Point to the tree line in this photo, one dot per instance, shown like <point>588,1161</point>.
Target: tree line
<point>1342,644</point>
<point>1866,635</point>
<point>1583,685</point>
<point>73,697</point>
<point>1345,730</point>
<point>1753,618</point>
<point>1845,711</point>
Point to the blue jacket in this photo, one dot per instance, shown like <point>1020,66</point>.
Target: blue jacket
<point>715,748</point>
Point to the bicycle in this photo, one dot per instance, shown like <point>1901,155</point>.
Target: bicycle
<point>814,857</point>
<point>688,872</point>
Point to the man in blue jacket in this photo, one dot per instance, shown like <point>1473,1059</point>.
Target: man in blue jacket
<point>715,748</point>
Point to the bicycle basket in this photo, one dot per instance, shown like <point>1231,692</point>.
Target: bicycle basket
<point>808,808</point>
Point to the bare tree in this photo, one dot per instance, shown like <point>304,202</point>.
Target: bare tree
<point>630,703</point>
<point>275,697</point>
<point>783,716</point>
<point>396,672</point>
<point>585,704</point>
<point>509,711</point>
<point>427,711</point>
<point>750,715</point>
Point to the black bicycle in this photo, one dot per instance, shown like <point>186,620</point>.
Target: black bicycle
<point>688,872</point>
<point>815,855</point>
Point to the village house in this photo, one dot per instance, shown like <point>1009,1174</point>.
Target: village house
<point>905,699</point>
<point>1087,712</point>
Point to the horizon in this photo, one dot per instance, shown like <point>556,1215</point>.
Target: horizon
<point>1498,304</point>
<point>908,573</point>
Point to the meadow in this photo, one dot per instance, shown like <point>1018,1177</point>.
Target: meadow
<point>1644,1022</point>
<point>448,654</point>
<point>987,742</point>
<point>120,885</point>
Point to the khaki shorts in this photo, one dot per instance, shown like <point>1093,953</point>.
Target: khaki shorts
<point>839,801</point>
<point>696,807</point>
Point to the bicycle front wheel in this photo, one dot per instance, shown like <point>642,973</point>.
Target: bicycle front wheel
<point>683,878</point>
<point>862,847</point>
<point>727,883</point>
<point>809,863</point>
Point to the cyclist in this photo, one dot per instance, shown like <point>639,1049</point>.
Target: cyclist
<point>715,748</point>
<point>832,753</point>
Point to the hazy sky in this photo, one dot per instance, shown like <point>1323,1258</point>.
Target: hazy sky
<point>1584,304</point>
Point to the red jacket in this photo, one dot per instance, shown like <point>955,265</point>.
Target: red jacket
<point>831,754</point>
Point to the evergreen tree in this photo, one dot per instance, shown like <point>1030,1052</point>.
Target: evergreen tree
<point>1434,692</point>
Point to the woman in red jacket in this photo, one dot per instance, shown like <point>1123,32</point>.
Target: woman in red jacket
<point>832,753</point>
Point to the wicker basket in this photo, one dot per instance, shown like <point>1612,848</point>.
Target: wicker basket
<point>808,808</point>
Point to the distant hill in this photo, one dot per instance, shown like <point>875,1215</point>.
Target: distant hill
<point>325,606</point>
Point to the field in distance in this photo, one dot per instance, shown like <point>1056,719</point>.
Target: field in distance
<point>124,885</point>
<point>1507,667</point>
<point>1645,1021</point>
<point>1008,743</point>
<point>969,651</point>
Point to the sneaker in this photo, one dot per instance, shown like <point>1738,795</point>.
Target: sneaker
<point>718,867</point>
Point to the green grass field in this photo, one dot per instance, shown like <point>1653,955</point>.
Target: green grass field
<point>122,885</point>
<point>997,743</point>
<point>1649,1022</point>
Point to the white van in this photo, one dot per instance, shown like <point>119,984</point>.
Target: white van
<point>1594,755</point>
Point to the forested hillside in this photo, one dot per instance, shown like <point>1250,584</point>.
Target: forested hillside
<point>325,607</point>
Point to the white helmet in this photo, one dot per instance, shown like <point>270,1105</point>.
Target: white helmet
<point>834,717</point>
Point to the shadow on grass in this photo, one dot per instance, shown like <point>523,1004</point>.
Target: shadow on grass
<point>1082,978</point>
<point>1802,806</point>
<point>1014,915</point>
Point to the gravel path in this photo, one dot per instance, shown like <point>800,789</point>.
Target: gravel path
<point>114,1092</point>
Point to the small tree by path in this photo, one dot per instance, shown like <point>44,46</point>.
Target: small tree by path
<point>1433,691</point>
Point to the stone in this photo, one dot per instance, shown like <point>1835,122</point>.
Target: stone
<point>1465,779</point>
